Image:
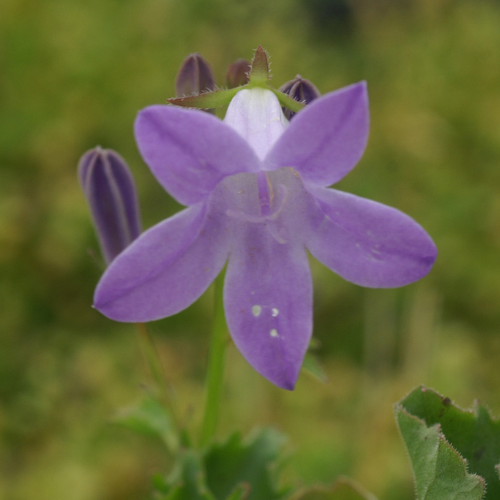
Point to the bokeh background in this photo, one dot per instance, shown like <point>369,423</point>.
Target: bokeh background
<point>74,73</point>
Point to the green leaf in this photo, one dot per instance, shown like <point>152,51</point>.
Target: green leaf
<point>187,481</point>
<point>343,489</point>
<point>442,440</point>
<point>473,433</point>
<point>237,461</point>
<point>150,418</point>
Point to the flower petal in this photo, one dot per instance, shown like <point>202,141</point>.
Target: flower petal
<point>257,116</point>
<point>368,243</point>
<point>189,151</point>
<point>165,270</point>
<point>268,303</point>
<point>327,138</point>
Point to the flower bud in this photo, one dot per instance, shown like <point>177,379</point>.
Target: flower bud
<point>194,77</point>
<point>110,190</point>
<point>301,90</point>
<point>237,73</point>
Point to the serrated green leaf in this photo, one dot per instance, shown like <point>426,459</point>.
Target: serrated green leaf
<point>343,489</point>
<point>435,433</point>
<point>150,418</point>
<point>239,461</point>
<point>473,433</point>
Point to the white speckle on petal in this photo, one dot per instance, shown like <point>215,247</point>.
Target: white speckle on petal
<point>275,312</point>
<point>274,333</point>
<point>256,310</point>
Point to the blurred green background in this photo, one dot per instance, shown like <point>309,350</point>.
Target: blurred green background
<point>74,73</point>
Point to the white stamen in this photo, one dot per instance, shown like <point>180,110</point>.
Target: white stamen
<point>275,312</point>
<point>274,333</point>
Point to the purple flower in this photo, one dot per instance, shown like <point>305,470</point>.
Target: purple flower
<point>257,197</point>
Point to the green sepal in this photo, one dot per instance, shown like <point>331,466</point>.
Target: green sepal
<point>343,489</point>
<point>149,418</point>
<point>259,77</point>
<point>251,462</point>
<point>206,100</point>
<point>287,101</point>
<point>453,451</point>
<point>259,72</point>
<point>217,98</point>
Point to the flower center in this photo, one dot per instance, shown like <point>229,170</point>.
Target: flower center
<point>272,202</point>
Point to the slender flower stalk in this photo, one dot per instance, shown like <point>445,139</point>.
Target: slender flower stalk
<point>215,373</point>
<point>157,372</point>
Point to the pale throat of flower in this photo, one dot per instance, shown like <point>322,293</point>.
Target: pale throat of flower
<point>257,116</point>
<point>271,208</point>
<point>266,201</point>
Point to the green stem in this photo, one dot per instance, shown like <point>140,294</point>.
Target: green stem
<point>215,372</point>
<point>156,369</point>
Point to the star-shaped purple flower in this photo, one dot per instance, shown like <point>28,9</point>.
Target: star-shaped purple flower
<point>257,197</point>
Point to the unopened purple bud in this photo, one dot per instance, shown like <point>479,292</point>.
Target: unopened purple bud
<point>237,73</point>
<point>195,76</point>
<point>110,190</point>
<point>301,90</point>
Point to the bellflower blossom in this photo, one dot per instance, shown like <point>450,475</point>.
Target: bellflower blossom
<point>257,197</point>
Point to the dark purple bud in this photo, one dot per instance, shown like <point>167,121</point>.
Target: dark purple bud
<point>237,73</point>
<point>195,76</point>
<point>110,190</point>
<point>301,90</point>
